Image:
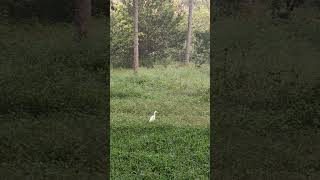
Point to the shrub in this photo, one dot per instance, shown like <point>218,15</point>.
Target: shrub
<point>160,27</point>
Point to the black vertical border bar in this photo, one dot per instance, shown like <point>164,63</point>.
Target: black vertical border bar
<point>107,39</point>
<point>211,89</point>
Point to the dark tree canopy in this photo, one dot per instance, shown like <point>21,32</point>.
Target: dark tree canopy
<point>45,10</point>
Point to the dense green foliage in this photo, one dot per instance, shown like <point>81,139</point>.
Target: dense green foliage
<point>162,27</point>
<point>158,27</point>
<point>176,145</point>
<point>53,101</point>
<point>201,34</point>
<point>121,34</point>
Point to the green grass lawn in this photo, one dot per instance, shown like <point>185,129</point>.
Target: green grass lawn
<point>176,145</point>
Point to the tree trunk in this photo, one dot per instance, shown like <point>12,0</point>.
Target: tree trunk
<point>136,38</point>
<point>189,33</point>
<point>247,8</point>
<point>82,14</point>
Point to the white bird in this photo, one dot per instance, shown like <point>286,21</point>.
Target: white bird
<point>153,117</point>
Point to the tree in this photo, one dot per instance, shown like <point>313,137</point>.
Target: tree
<point>162,35</point>
<point>82,14</point>
<point>189,33</point>
<point>136,38</point>
<point>200,34</point>
<point>247,8</point>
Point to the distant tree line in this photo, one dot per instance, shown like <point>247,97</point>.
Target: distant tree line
<point>163,27</point>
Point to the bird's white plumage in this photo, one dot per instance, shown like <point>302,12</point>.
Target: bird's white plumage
<point>153,117</point>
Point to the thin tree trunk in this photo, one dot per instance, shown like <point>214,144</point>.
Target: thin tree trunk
<point>82,14</point>
<point>136,38</point>
<point>189,34</point>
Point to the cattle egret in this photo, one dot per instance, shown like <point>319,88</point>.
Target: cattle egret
<point>153,117</point>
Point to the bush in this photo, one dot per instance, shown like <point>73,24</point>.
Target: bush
<point>160,30</point>
<point>201,51</point>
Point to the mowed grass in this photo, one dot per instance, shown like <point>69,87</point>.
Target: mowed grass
<point>176,145</point>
